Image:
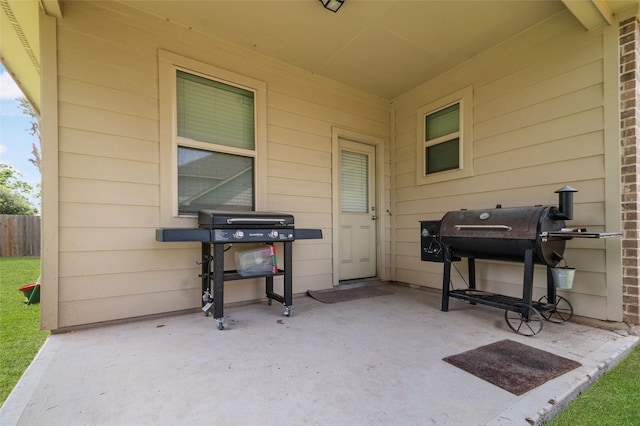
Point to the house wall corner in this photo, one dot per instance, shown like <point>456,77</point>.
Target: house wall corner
<point>629,48</point>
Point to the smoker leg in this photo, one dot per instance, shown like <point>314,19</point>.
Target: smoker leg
<point>472,272</point>
<point>527,288</point>
<point>446,277</point>
<point>562,310</point>
<point>551,288</point>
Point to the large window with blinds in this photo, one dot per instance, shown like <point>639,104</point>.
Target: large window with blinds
<point>216,145</point>
<point>445,138</point>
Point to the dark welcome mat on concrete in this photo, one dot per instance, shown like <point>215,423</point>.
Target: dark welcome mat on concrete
<point>514,367</point>
<point>342,295</point>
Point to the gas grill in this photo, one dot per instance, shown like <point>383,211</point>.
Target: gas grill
<point>532,235</point>
<point>220,228</point>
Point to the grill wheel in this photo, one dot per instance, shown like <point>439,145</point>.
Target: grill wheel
<point>563,311</point>
<point>524,320</point>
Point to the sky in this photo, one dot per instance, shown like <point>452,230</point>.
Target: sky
<point>15,139</point>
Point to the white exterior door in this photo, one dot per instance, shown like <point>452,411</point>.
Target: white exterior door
<point>358,214</point>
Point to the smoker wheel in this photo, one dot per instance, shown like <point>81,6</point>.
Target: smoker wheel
<point>563,311</point>
<point>269,302</point>
<point>287,311</point>
<point>526,320</point>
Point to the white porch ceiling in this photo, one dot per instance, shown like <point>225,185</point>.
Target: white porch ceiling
<point>384,47</point>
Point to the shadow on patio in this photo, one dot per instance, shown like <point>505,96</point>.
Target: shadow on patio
<point>368,361</point>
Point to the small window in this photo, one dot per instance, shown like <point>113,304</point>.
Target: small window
<point>442,140</point>
<point>445,144</point>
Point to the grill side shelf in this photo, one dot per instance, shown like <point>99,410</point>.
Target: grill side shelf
<point>183,234</point>
<point>307,234</point>
<point>577,234</point>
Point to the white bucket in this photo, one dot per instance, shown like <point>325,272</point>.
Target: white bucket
<point>563,277</point>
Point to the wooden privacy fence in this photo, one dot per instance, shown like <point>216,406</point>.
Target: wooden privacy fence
<point>19,236</point>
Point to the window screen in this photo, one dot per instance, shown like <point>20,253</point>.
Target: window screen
<point>213,180</point>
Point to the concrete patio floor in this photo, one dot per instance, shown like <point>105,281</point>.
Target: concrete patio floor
<point>364,362</point>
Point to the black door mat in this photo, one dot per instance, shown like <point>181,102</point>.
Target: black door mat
<point>514,367</point>
<point>342,295</point>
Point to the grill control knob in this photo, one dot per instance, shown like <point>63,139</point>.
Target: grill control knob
<point>238,235</point>
<point>273,234</point>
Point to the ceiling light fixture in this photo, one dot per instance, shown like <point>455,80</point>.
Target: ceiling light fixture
<point>332,5</point>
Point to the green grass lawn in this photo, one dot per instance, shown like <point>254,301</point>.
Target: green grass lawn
<point>614,400</point>
<point>20,335</point>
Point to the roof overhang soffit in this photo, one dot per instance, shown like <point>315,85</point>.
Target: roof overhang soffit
<point>52,7</point>
<point>594,14</point>
<point>20,42</point>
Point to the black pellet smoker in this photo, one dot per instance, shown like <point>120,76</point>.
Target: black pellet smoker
<point>530,235</point>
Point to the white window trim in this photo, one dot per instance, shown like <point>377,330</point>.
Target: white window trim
<point>465,98</point>
<point>168,63</point>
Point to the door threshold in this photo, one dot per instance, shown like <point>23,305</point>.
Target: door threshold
<point>359,282</point>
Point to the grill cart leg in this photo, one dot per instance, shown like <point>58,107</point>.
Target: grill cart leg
<point>205,275</point>
<point>287,297</point>
<point>218,285</point>
<point>288,278</point>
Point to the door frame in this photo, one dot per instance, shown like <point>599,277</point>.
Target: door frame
<point>382,205</point>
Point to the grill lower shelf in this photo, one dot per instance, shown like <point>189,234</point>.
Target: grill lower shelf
<point>497,300</point>
<point>234,275</point>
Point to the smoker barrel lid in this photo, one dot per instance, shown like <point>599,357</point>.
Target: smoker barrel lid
<point>215,218</point>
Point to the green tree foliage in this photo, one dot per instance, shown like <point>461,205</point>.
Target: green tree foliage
<point>28,110</point>
<point>14,193</point>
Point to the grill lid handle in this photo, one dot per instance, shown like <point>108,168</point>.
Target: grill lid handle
<point>501,227</point>
<point>233,220</point>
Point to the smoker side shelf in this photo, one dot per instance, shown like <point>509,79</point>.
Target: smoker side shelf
<point>496,300</point>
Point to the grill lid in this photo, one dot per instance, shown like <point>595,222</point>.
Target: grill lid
<point>519,223</point>
<point>228,219</point>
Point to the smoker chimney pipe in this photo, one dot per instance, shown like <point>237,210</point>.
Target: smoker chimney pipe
<point>565,202</point>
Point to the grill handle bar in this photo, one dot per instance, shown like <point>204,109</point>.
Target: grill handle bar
<point>501,227</point>
<point>258,219</point>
